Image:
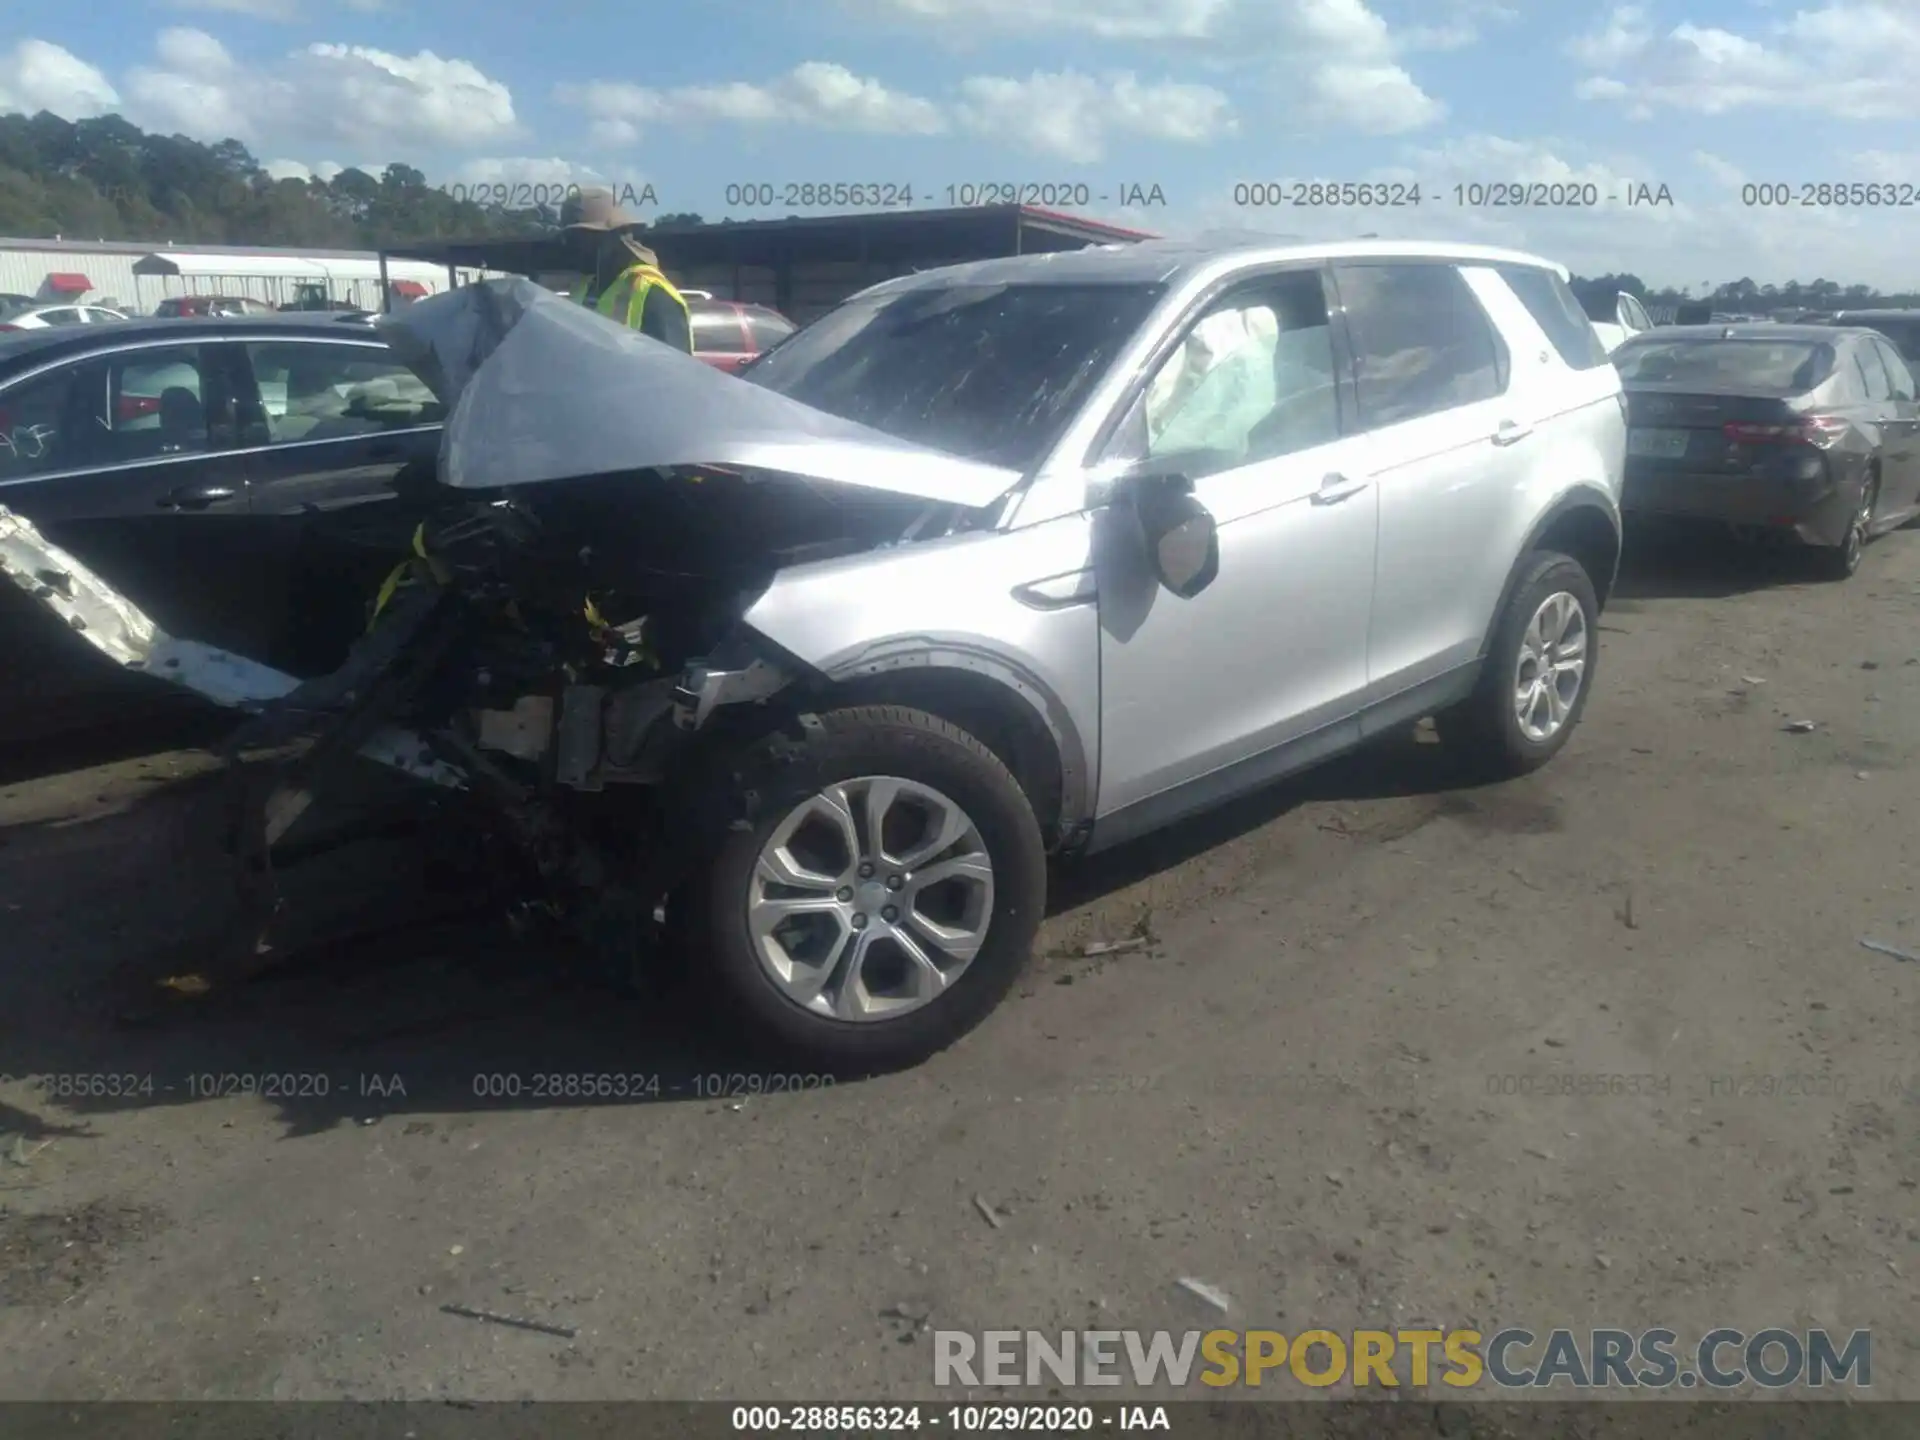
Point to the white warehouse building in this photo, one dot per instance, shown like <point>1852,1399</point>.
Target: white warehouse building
<point>137,277</point>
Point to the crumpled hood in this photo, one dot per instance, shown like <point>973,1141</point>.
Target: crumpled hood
<point>541,388</point>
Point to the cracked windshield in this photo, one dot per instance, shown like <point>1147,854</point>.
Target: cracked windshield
<point>940,717</point>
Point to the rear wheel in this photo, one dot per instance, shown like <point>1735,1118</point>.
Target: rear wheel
<point>1539,670</point>
<point>886,899</point>
<point>1842,561</point>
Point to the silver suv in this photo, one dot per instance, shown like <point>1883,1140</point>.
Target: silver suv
<point>1275,501</point>
<point>1008,560</point>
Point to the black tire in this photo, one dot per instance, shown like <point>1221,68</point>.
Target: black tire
<point>841,745</point>
<point>1841,562</point>
<point>1484,731</point>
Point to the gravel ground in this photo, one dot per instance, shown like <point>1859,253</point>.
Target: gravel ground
<point>1362,1075</point>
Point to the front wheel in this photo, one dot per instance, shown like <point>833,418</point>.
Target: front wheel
<point>1538,672</point>
<point>885,898</point>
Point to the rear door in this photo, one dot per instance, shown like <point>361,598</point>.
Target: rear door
<point>1899,426</point>
<point>1448,440</point>
<point>341,441</point>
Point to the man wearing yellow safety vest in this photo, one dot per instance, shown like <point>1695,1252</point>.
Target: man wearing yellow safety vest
<point>624,281</point>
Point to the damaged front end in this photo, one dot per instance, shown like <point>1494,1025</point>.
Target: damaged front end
<point>562,657</point>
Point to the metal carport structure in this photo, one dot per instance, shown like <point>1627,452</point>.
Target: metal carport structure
<point>804,265</point>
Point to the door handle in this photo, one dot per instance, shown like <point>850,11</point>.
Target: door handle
<point>196,497</point>
<point>1510,433</point>
<point>1336,487</point>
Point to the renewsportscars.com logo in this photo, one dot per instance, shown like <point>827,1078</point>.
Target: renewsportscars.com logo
<point>1510,1359</point>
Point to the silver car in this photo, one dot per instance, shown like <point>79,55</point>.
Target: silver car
<point>1095,541</point>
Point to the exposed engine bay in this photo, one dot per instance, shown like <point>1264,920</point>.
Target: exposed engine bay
<point>563,653</point>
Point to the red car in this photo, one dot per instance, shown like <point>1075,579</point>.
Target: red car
<point>729,333</point>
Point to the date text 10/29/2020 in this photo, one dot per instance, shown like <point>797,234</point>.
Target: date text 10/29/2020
<point>547,195</point>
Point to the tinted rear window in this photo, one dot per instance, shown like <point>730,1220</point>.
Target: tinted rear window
<point>1779,367</point>
<point>1550,301</point>
<point>991,372</point>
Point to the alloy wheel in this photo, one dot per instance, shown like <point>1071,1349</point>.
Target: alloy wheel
<point>870,899</point>
<point>1551,667</point>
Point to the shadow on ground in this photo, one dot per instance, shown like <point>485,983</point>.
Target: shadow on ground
<point>425,999</point>
<point>1704,563</point>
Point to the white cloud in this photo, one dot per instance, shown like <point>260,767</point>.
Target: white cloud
<point>1451,24</point>
<point>1072,116</point>
<point>816,94</point>
<point>1341,57</point>
<point>1372,99</point>
<point>1624,35</point>
<point>38,75</point>
<point>1855,59</point>
<point>354,95</point>
<point>1723,171</point>
<point>281,10</point>
<point>526,170</point>
<point>1104,19</point>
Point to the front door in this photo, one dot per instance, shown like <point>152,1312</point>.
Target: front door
<point>341,441</point>
<point>1205,696</point>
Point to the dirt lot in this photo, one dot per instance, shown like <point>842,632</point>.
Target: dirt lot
<point>1361,1077</point>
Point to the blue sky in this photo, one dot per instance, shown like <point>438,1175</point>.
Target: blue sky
<point>1703,97</point>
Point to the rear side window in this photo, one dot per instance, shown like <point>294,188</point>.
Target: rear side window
<point>1898,373</point>
<point>1879,387</point>
<point>1421,342</point>
<point>1550,301</point>
<point>1904,334</point>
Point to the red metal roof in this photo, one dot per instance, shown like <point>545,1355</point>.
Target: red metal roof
<point>69,282</point>
<point>410,288</point>
<point>1119,232</point>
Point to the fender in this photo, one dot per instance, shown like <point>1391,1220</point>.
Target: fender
<point>905,653</point>
<point>1583,496</point>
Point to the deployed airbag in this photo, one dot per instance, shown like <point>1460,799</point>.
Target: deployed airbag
<point>542,389</point>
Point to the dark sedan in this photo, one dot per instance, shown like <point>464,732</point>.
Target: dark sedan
<point>1807,432</point>
<point>243,479</point>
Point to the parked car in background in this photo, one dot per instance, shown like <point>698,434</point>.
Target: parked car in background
<point>727,334</point>
<point>178,307</point>
<point>38,317</point>
<point>1617,318</point>
<point>1902,327</point>
<point>1807,433</point>
<point>234,470</point>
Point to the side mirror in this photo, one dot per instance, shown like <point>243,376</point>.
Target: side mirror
<point>1182,538</point>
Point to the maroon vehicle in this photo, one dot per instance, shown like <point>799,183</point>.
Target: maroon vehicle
<point>729,333</point>
<point>185,307</point>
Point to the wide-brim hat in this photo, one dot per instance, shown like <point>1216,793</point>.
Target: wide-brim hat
<point>596,213</point>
